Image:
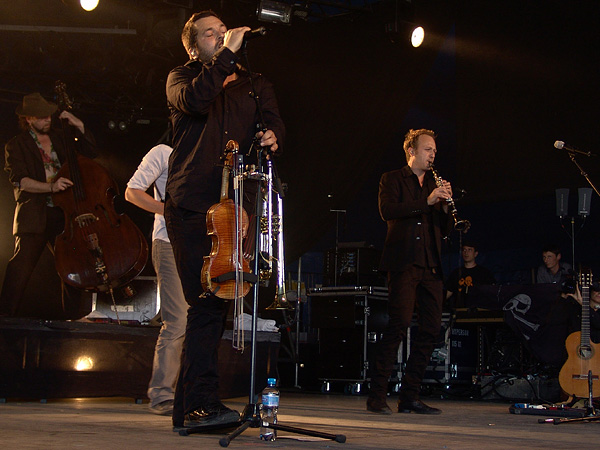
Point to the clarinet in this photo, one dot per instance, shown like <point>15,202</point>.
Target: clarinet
<point>459,224</point>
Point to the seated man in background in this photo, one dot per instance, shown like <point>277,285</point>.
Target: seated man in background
<point>553,270</point>
<point>468,275</point>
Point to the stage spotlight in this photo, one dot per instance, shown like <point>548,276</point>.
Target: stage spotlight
<point>275,12</point>
<point>123,125</point>
<point>84,363</point>
<point>88,5</point>
<point>401,30</point>
<point>111,125</point>
<point>417,36</point>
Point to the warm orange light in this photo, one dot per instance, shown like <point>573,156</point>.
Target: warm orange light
<point>88,5</point>
<point>84,363</point>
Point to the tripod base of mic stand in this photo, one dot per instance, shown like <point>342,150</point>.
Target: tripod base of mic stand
<point>208,428</point>
<point>251,419</point>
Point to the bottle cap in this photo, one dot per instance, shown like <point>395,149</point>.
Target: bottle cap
<point>271,381</point>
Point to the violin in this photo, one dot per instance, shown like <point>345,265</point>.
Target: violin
<point>226,270</point>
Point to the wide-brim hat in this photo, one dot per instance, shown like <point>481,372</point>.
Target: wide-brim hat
<point>34,105</point>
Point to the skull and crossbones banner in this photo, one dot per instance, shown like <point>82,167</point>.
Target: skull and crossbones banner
<point>534,312</point>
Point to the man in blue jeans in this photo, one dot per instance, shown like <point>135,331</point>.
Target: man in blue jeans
<point>153,170</point>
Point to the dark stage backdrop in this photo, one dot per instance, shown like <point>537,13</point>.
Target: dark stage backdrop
<point>499,82</point>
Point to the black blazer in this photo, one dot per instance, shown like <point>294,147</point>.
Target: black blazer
<point>402,209</point>
<point>23,159</point>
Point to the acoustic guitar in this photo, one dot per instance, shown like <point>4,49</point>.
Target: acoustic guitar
<point>583,361</point>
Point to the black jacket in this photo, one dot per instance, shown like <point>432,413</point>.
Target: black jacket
<point>403,209</point>
<point>23,159</point>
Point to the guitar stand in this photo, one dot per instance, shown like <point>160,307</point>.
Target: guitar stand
<point>591,415</point>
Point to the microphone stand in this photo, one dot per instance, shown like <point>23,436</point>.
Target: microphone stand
<point>583,172</point>
<point>586,176</point>
<point>251,416</point>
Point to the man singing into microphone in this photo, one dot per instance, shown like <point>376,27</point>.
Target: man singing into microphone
<point>209,101</point>
<point>416,213</point>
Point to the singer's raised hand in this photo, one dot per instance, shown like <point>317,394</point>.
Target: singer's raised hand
<point>233,38</point>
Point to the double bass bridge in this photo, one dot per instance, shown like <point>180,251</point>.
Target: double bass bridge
<point>86,219</point>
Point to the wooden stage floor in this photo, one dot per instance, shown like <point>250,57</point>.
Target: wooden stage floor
<point>120,423</point>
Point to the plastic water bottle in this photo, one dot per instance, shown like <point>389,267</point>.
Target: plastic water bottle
<point>268,411</point>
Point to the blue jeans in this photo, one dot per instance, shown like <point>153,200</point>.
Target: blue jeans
<point>173,311</point>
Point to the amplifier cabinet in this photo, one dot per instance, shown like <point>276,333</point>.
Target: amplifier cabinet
<point>350,321</point>
<point>454,358</point>
<point>352,263</point>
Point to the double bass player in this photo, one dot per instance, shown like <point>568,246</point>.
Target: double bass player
<point>32,160</point>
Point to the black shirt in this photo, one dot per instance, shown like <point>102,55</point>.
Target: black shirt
<point>425,253</point>
<point>205,116</point>
<point>414,229</point>
<point>461,280</point>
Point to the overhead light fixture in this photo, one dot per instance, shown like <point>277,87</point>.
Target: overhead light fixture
<point>118,124</point>
<point>417,36</point>
<point>274,12</point>
<point>400,31</point>
<point>88,5</point>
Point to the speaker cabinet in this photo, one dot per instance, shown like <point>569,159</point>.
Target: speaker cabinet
<point>350,321</point>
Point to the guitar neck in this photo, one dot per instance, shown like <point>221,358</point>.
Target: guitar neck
<point>585,315</point>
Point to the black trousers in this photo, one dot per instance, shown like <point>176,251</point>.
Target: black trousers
<point>28,250</point>
<point>413,289</point>
<point>198,381</point>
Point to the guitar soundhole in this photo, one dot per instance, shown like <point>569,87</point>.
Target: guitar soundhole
<point>585,352</point>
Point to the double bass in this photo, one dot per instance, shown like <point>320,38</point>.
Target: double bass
<point>98,250</point>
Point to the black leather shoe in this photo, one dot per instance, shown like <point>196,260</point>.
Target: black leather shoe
<point>378,407</point>
<point>416,406</point>
<point>214,414</point>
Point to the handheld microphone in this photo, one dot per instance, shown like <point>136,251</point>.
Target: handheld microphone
<point>258,32</point>
<point>562,146</point>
